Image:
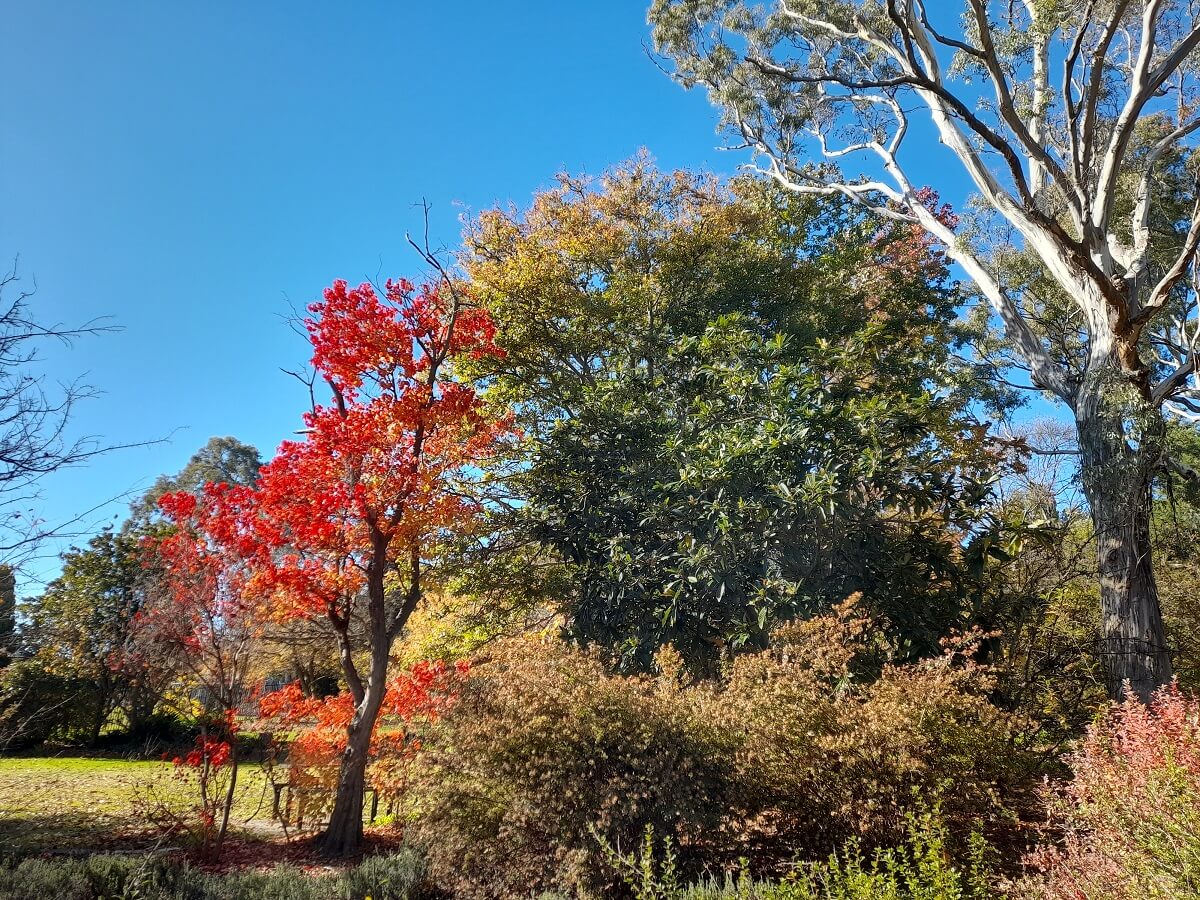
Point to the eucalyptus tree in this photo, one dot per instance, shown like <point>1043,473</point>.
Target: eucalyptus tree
<point>1076,122</point>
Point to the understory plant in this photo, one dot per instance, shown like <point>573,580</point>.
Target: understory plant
<point>1128,823</point>
<point>194,800</point>
<point>919,868</point>
<point>836,743</point>
<point>542,750</point>
<point>399,876</point>
<point>548,757</point>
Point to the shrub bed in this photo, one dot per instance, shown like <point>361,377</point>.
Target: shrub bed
<point>394,877</point>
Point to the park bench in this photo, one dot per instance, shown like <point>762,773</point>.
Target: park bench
<point>307,791</point>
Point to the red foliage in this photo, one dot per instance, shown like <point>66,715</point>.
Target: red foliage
<point>422,693</point>
<point>209,751</point>
<point>374,469</point>
<point>350,514</point>
<point>208,772</point>
<point>205,575</point>
<point>910,252</point>
<point>1124,754</point>
<point>1131,814</point>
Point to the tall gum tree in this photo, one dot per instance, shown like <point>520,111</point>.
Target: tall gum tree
<point>1076,123</point>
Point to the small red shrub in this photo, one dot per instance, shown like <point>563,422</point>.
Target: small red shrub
<point>1130,817</point>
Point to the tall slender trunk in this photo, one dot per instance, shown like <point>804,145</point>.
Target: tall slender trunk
<point>343,835</point>
<point>1120,445</point>
<point>98,720</point>
<point>227,802</point>
<point>101,714</point>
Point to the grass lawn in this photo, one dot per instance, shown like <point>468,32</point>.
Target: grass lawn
<point>65,802</point>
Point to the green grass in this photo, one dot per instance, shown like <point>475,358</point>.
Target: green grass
<point>75,802</point>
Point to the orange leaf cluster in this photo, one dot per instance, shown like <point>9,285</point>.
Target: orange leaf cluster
<point>422,693</point>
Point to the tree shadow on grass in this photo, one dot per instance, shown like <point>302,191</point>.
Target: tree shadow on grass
<point>29,833</point>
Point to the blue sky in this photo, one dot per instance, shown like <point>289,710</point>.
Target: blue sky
<point>190,169</point>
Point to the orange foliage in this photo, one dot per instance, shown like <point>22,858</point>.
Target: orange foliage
<point>422,693</point>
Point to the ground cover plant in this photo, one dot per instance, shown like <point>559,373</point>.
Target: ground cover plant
<point>393,877</point>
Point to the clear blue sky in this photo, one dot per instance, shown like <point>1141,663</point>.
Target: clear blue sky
<point>189,168</point>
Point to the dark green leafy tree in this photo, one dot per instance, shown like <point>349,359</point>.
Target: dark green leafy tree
<point>724,428</point>
<point>752,483</point>
<point>222,459</point>
<point>83,623</point>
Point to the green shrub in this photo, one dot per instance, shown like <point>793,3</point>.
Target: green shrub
<point>93,877</point>
<point>61,879</point>
<point>281,883</point>
<point>163,727</point>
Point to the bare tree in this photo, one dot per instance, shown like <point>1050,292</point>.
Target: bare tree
<point>1076,122</point>
<point>34,417</point>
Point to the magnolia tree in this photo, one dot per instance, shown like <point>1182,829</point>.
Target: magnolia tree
<point>342,525</point>
<point>1076,123</point>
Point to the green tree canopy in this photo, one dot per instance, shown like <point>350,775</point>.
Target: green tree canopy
<point>724,429</point>
<point>222,459</point>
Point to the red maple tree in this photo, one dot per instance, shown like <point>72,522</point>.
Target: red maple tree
<point>203,622</point>
<point>344,523</point>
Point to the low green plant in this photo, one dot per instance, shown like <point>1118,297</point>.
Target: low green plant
<point>393,877</point>
<point>398,876</point>
<point>99,877</point>
<point>644,875</point>
<point>922,868</point>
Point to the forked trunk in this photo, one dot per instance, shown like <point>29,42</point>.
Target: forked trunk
<point>1120,445</point>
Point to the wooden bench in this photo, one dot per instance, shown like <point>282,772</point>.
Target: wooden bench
<point>301,796</point>
<point>310,786</point>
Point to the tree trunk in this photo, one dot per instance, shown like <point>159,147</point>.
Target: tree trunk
<point>227,803</point>
<point>1120,446</point>
<point>97,725</point>
<point>101,714</point>
<point>343,835</point>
